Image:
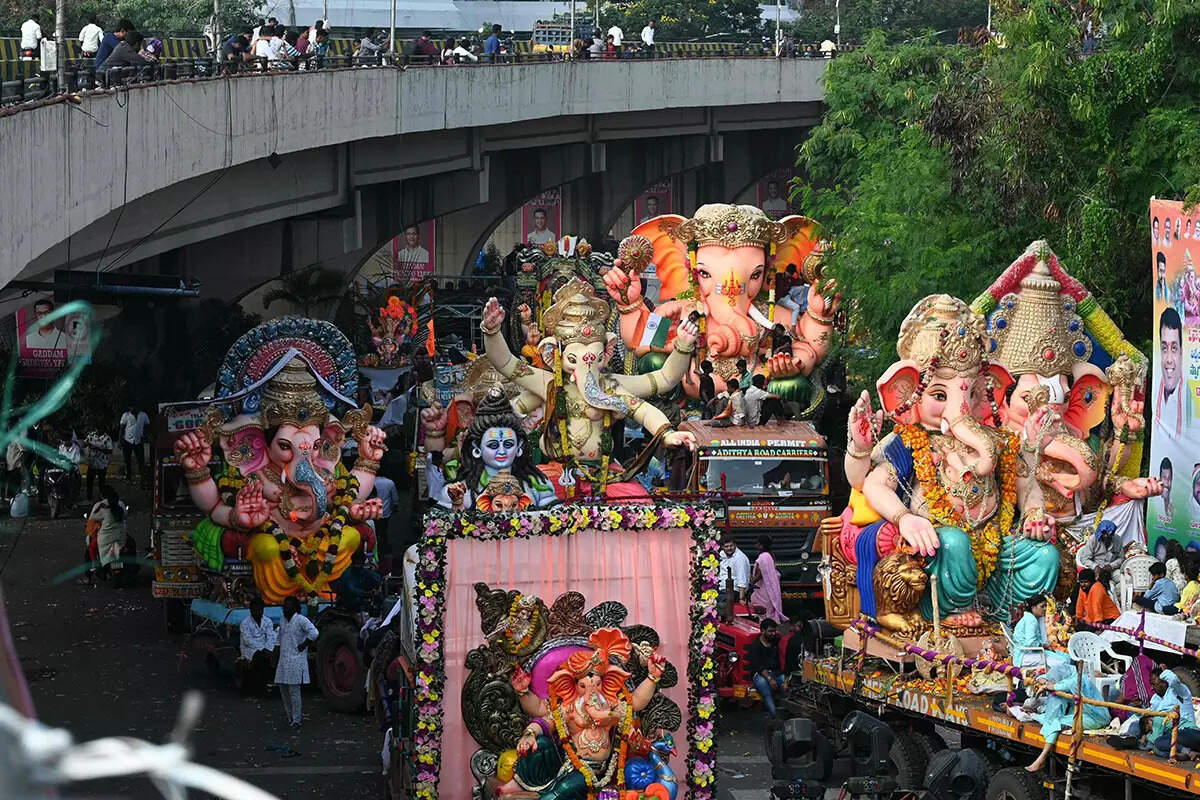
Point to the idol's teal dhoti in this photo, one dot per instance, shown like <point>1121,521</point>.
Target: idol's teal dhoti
<point>548,773</point>
<point>1024,568</point>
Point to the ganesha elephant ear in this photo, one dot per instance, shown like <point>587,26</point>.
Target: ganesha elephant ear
<point>669,254</point>
<point>896,387</point>
<point>800,237</point>
<point>1087,403</point>
<point>1002,379</point>
<point>245,449</point>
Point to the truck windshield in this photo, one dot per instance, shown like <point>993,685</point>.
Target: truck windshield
<point>773,477</point>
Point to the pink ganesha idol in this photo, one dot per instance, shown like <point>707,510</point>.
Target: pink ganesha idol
<point>730,264</point>
<point>282,497</point>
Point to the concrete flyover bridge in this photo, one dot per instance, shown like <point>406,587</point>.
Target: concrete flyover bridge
<point>293,169</point>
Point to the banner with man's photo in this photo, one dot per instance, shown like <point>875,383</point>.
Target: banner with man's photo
<point>541,218</point>
<point>772,194</point>
<point>1174,398</point>
<point>45,348</point>
<point>413,253</point>
<point>656,200</point>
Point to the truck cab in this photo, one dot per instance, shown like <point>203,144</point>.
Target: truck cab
<point>777,480</point>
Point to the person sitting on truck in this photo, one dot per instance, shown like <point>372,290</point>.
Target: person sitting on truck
<point>762,661</point>
<point>1059,714</point>
<point>736,566</point>
<point>1102,550</point>
<point>257,642</point>
<point>1093,605</point>
<point>1163,595</point>
<point>357,583</point>
<point>1029,634</point>
<point>767,597</point>
<point>1169,694</point>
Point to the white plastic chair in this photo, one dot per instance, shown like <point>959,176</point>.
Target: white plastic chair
<point>1086,648</point>
<point>1006,629</point>
<point>1135,573</point>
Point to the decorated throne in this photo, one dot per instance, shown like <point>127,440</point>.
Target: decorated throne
<point>552,653</point>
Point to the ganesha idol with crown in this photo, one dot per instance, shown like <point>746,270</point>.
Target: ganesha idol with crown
<point>723,264</point>
<point>282,497</point>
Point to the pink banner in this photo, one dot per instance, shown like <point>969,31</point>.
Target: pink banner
<point>653,202</point>
<point>413,253</point>
<point>44,350</point>
<point>541,218</point>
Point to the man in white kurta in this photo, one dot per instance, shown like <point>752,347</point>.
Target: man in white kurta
<point>296,633</point>
<point>257,642</point>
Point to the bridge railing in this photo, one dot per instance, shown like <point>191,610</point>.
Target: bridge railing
<point>82,76</point>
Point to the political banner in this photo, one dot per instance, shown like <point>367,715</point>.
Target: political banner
<point>773,195</point>
<point>654,201</point>
<point>413,253</point>
<point>45,348</point>
<point>541,218</point>
<point>1174,399</point>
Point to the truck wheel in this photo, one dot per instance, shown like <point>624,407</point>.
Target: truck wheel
<point>1014,783</point>
<point>1189,677</point>
<point>175,614</point>
<point>339,665</point>
<point>909,761</point>
<point>930,742</point>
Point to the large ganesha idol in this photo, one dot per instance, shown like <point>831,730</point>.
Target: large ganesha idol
<point>1067,355</point>
<point>580,400</point>
<point>722,263</point>
<point>949,492</point>
<point>565,704</point>
<point>283,496</point>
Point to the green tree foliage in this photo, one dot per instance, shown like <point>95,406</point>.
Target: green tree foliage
<point>150,16</point>
<point>682,20</point>
<point>898,19</point>
<point>936,165</point>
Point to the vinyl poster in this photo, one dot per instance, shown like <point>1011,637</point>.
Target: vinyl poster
<point>413,253</point>
<point>773,195</point>
<point>1175,389</point>
<point>43,349</point>
<point>654,201</point>
<point>541,218</point>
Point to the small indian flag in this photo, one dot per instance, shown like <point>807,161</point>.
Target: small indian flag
<point>656,331</point>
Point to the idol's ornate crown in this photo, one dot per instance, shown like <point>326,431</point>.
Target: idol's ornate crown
<point>1037,329</point>
<point>504,483</point>
<point>577,315</point>
<point>730,226</point>
<point>943,332</point>
<point>291,397</point>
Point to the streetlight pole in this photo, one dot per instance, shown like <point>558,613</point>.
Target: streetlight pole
<point>60,42</point>
<point>989,27</point>
<point>837,24</point>
<point>216,31</point>
<point>392,35</point>
<point>572,42</point>
<point>778,31</point>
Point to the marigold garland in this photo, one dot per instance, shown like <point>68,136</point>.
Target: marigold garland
<point>985,540</point>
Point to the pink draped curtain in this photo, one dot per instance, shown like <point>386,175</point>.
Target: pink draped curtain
<point>647,572</point>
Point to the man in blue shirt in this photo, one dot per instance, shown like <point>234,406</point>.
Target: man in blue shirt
<point>111,40</point>
<point>1170,694</point>
<point>491,48</point>
<point>1163,595</point>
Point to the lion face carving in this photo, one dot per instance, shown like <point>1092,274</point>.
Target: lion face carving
<point>899,581</point>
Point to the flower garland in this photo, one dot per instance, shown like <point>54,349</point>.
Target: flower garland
<point>329,537</point>
<point>985,539</point>
<point>441,526</point>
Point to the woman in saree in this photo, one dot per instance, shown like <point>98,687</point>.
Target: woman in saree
<point>767,597</point>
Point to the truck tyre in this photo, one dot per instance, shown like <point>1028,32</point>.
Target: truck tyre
<point>339,665</point>
<point>1189,677</point>
<point>909,761</point>
<point>930,742</point>
<point>1014,783</point>
<point>175,615</point>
